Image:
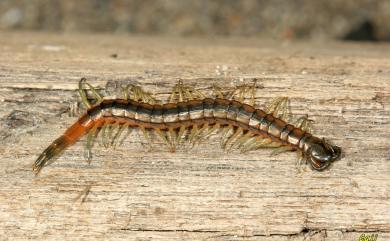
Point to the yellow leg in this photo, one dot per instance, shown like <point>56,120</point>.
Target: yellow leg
<point>247,144</point>
<point>201,133</point>
<point>138,94</point>
<point>259,143</point>
<point>116,137</point>
<point>305,124</point>
<point>147,137</point>
<point>217,92</point>
<point>240,141</point>
<point>181,92</point>
<point>83,93</point>
<point>172,137</point>
<point>280,108</point>
<point>165,139</point>
<point>280,150</point>
<point>180,134</point>
<point>90,141</point>
<point>216,127</point>
<point>104,135</point>
<point>128,132</point>
<point>232,139</point>
<point>225,134</point>
<point>243,92</point>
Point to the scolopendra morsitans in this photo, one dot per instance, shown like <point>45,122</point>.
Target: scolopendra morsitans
<point>188,112</point>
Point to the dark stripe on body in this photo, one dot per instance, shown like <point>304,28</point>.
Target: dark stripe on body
<point>223,111</point>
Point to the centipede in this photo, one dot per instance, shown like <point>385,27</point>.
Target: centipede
<point>188,115</point>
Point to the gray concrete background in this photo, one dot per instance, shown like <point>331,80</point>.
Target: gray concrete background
<point>301,19</point>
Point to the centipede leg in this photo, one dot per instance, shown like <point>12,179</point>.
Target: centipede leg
<point>74,109</point>
<point>128,132</point>
<point>236,94</point>
<point>280,150</point>
<point>172,137</point>
<point>165,139</point>
<point>172,96</point>
<point>187,94</point>
<point>244,146</point>
<point>300,160</point>
<point>180,134</point>
<point>83,93</point>
<point>197,94</point>
<point>110,131</point>
<point>193,133</point>
<point>201,133</point>
<point>233,139</point>
<point>279,108</point>
<point>90,141</point>
<point>240,93</point>
<point>210,131</point>
<point>125,91</point>
<point>177,93</point>
<point>305,124</point>
<point>247,146</point>
<point>225,134</point>
<point>259,143</point>
<point>181,92</point>
<point>240,141</point>
<point>138,94</point>
<point>217,92</point>
<point>252,93</point>
<point>147,137</point>
<point>119,132</point>
<point>104,135</point>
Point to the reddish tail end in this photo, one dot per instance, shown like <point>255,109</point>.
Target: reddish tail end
<point>73,134</point>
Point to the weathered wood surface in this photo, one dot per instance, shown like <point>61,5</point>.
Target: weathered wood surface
<point>202,193</point>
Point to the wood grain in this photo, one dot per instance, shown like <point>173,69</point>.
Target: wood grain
<point>200,193</point>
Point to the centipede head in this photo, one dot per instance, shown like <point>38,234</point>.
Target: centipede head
<point>321,154</point>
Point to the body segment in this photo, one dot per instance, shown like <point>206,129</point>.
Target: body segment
<point>251,122</point>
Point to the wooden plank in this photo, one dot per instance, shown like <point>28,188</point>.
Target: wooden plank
<point>200,193</point>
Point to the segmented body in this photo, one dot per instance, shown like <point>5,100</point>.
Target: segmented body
<point>206,111</point>
<point>247,123</point>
